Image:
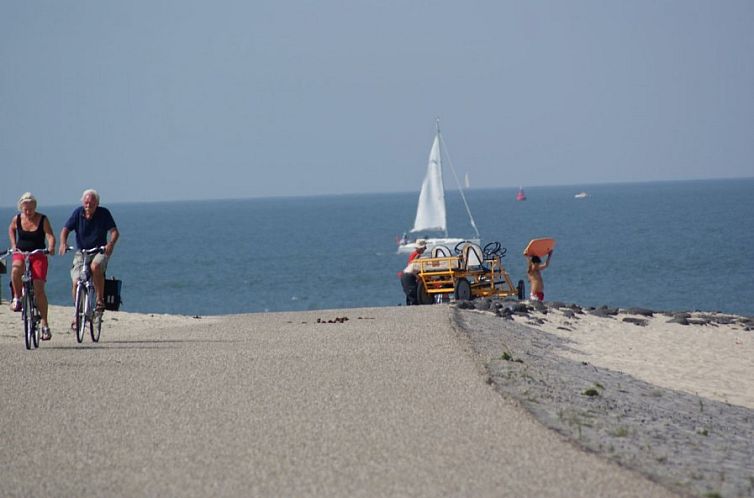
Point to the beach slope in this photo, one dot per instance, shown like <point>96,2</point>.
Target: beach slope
<point>666,394</point>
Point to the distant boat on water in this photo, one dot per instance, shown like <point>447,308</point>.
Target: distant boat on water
<point>466,182</point>
<point>520,195</point>
<point>581,195</point>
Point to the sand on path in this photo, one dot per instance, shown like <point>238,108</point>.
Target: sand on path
<point>387,403</point>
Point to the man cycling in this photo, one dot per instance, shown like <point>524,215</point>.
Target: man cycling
<point>92,224</point>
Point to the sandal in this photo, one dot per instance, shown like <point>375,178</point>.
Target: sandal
<point>46,334</point>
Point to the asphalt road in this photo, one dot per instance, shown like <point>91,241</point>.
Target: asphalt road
<point>389,403</point>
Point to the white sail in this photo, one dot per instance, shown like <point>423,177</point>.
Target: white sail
<point>430,213</point>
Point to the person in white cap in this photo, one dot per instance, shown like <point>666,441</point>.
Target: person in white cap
<point>408,278</point>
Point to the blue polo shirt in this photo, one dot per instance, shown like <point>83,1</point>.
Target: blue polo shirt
<point>90,233</point>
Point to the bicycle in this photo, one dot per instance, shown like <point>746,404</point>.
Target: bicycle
<point>29,311</point>
<point>86,299</point>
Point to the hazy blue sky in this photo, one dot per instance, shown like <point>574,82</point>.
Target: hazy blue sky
<point>162,100</point>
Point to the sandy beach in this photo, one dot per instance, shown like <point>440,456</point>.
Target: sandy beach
<point>714,360</point>
<point>421,401</point>
<point>666,394</point>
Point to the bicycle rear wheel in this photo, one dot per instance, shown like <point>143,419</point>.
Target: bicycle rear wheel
<point>81,305</point>
<point>28,316</point>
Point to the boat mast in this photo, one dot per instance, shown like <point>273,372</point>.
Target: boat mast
<point>437,126</point>
<point>458,183</point>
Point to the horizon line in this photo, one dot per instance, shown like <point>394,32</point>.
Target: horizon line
<point>346,194</point>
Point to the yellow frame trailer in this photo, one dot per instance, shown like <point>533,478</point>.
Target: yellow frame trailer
<point>441,277</point>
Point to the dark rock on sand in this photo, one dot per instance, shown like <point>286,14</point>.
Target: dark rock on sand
<point>556,305</point>
<point>482,304</point>
<point>539,306</point>
<point>521,307</point>
<point>577,309</point>
<point>506,313</point>
<point>639,311</point>
<point>723,319</point>
<point>603,312</point>
<point>641,322</point>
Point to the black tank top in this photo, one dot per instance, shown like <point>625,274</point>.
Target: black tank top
<point>28,241</point>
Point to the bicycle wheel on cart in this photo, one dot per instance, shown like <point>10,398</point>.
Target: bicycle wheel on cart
<point>462,290</point>
<point>422,296</point>
<point>81,306</point>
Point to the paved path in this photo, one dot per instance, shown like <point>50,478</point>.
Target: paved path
<point>392,404</point>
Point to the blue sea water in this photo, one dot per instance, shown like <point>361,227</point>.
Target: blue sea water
<point>666,246</point>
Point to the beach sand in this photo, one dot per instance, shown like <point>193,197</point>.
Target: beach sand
<point>714,360</point>
<point>671,402</point>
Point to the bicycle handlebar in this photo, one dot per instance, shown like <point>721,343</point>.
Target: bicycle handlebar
<point>93,250</point>
<point>8,252</point>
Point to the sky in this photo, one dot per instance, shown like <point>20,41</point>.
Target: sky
<point>154,100</point>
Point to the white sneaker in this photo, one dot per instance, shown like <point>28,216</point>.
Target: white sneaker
<point>46,334</point>
<point>15,304</point>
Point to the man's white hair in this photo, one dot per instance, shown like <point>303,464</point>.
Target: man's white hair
<point>90,191</point>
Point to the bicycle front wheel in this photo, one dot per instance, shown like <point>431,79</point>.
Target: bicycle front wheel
<point>35,319</point>
<point>28,315</point>
<point>81,306</point>
<point>96,326</point>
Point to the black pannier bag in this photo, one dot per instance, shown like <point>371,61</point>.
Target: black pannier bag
<point>112,294</point>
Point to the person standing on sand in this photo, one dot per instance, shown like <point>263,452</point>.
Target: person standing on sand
<point>535,277</point>
<point>92,224</point>
<point>408,278</point>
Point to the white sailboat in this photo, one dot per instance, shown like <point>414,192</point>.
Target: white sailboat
<point>430,212</point>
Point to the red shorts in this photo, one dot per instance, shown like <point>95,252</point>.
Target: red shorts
<point>537,296</point>
<point>38,263</point>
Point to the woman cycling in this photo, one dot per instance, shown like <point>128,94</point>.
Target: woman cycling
<point>29,230</point>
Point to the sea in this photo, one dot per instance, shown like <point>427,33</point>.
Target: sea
<point>669,246</point>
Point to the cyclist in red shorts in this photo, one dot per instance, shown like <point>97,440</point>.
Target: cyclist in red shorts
<point>30,230</point>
